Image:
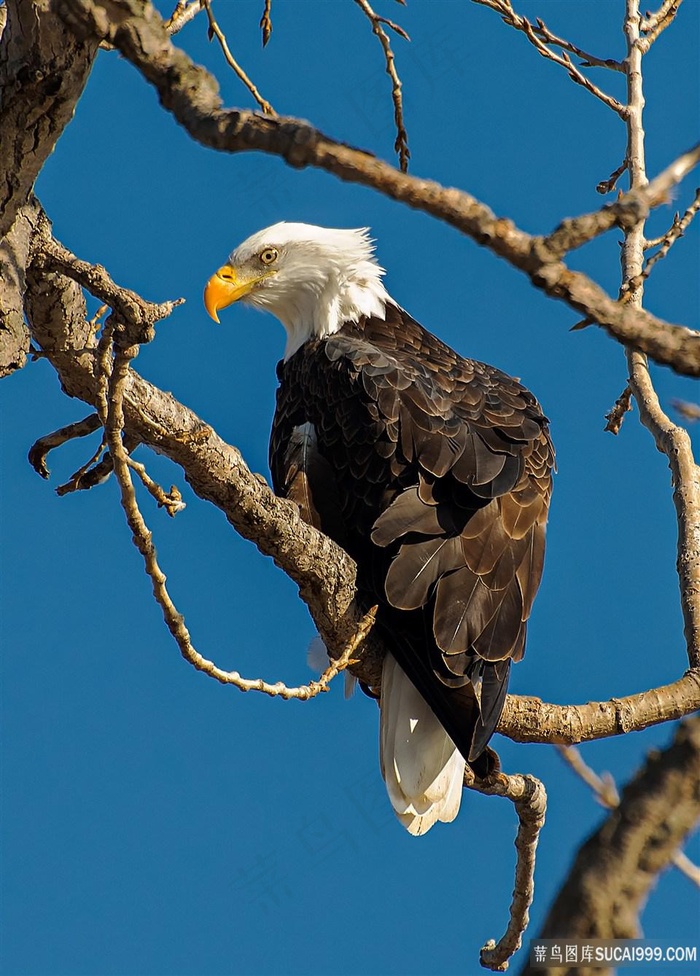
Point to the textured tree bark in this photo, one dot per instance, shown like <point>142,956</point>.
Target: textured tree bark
<point>14,335</point>
<point>43,70</point>
<point>617,866</point>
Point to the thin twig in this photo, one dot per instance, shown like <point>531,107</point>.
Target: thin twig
<point>535,36</point>
<point>606,793</point>
<point>587,60</point>
<point>627,212</point>
<point>104,368</point>
<point>184,12</point>
<point>95,322</point>
<point>215,31</point>
<point>266,23</point>
<point>144,542</point>
<point>530,799</point>
<point>616,415</point>
<point>607,186</point>
<point>40,449</point>
<point>171,501</point>
<point>657,23</point>
<point>401,143</point>
<point>603,786</point>
<point>675,443</point>
<point>686,867</point>
<point>676,230</point>
<point>76,482</point>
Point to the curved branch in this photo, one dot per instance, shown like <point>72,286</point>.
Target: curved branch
<point>529,797</point>
<point>191,94</point>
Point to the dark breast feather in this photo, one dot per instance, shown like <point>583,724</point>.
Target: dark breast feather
<point>434,473</point>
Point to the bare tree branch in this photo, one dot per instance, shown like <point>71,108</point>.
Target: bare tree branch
<point>626,212</point>
<point>616,867</point>
<point>606,793</point>
<point>215,31</point>
<point>607,186</point>
<point>401,143</point>
<point>192,95</point>
<point>39,451</point>
<point>671,440</point>
<point>657,23</point>
<point>676,230</point>
<point>133,312</point>
<point>528,795</point>
<point>539,37</point>
<point>266,23</point>
<point>615,417</point>
<point>532,720</point>
<point>184,12</point>
<point>651,21</point>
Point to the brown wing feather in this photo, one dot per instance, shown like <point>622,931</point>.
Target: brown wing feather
<point>439,471</point>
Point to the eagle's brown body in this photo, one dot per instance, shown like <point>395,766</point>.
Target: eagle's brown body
<point>434,473</point>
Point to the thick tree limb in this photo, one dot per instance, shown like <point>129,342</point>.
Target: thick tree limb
<point>43,70</point>
<point>14,335</point>
<point>617,866</point>
<point>532,720</point>
<point>192,95</point>
<point>606,793</point>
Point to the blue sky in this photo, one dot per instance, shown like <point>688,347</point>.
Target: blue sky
<point>158,823</point>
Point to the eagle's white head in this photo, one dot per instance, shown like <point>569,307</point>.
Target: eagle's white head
<point>313,279</point>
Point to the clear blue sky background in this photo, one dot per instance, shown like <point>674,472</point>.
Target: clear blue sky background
<point>158,823</point>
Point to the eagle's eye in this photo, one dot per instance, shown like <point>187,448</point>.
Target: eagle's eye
<point>269,255</point>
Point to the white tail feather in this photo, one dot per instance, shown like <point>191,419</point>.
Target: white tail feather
<point>422,768</point>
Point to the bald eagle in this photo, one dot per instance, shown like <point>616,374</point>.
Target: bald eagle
<point>432,471</point>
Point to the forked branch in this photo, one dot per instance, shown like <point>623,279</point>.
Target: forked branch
<point>540,37</point>
<point>401,143</point>
<point>215,31</point>
<point>143,540</point>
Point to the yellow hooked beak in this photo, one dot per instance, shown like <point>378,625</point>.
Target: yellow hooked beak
<point>224,288</point>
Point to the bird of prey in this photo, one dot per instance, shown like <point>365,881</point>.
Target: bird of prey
<point>432,471</point>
